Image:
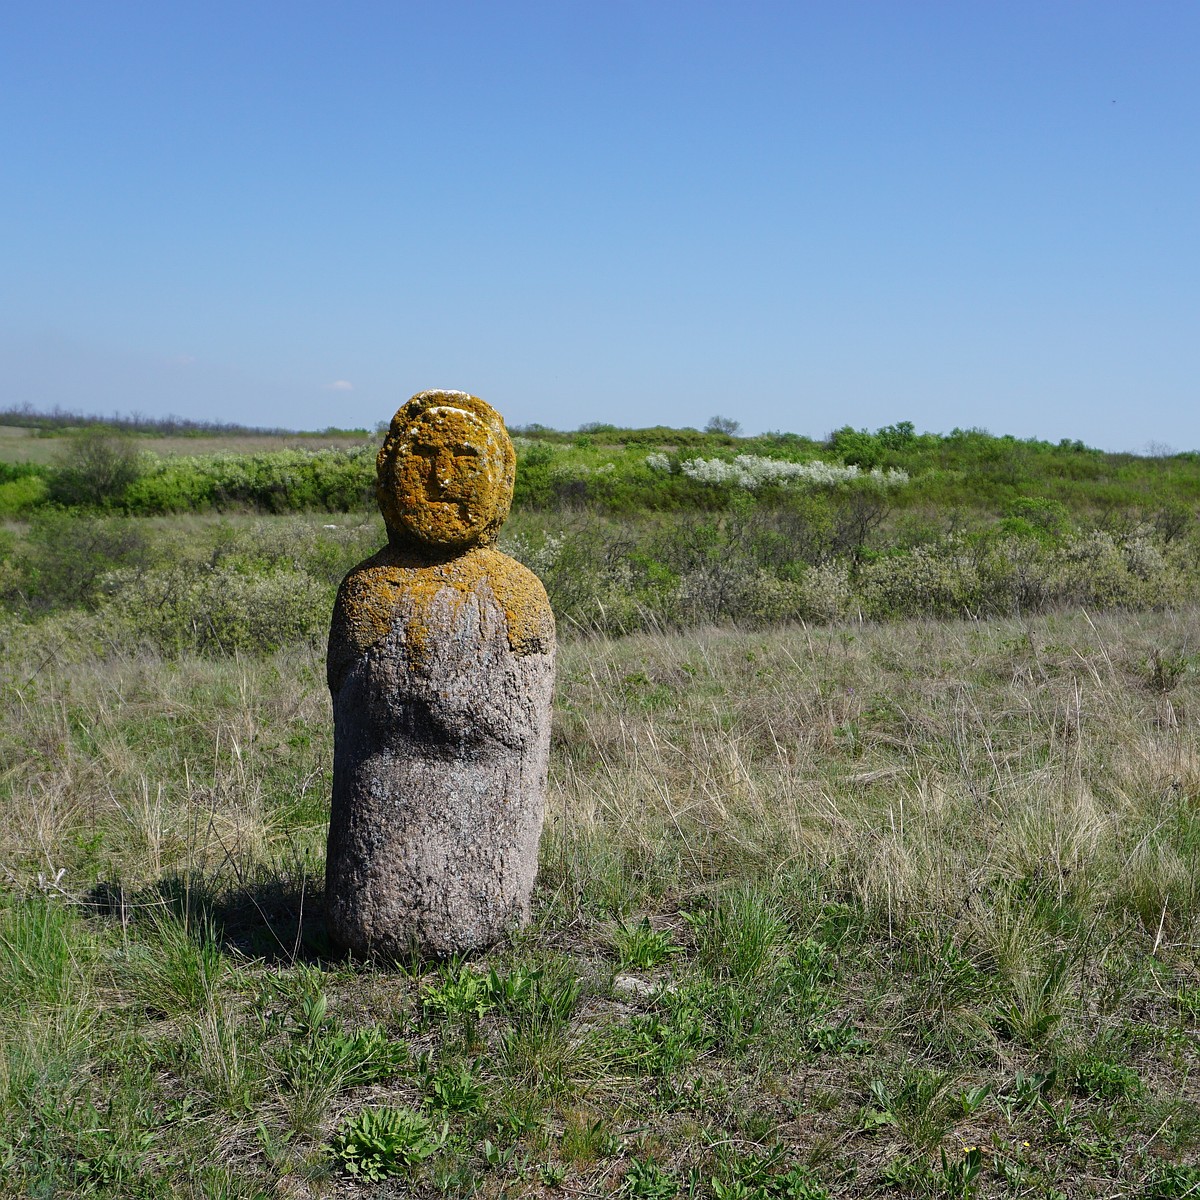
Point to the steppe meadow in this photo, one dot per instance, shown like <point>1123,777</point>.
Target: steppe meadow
<point>871,864</point>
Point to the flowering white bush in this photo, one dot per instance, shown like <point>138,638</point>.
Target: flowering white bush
<point>539,558</point>
<point>752,470</point>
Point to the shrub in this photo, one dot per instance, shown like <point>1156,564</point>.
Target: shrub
<point>219,610</point>
<point>856,446</point>
<point>751,471</point>
<point>936,581</point>
<point>826,593</point>
<point>1007,574</point>
<point>95,469</point>
<point>23,486</point>
<point>279,481</point>
<point>723,425</point>
<point>535,475</point>
<point>67,555</point>
<point>1047,520</point>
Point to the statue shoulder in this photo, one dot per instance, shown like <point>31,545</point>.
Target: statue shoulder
<point>362,613</point>
<point>397,584</point>
<point>522,596</point>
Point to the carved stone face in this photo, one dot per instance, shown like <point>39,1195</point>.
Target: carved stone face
<point>446,471</point>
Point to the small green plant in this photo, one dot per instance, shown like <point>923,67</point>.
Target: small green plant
<point>641,945</point>
<point>586,1138</point>
<point>227,1065</point>
<point>971,1100</point>
<point>918,1104</point>
<point>798,1183</point>
<point>958,1175</point>
<point>909,1173</point>
<point>646,1180</point>
<point>1187,1001</point>
<point>735,1189</point>
<point>657,1043</point>
<point>378,1142</point>
<point>454,1089</point>
<point>109,1156</point>
<point>352,1059</point>
<point>949,990</point>
<point>179,969</point>
<point>1165,669</point>
<point>1025,1092</point>
<point>540,1056</point>
<point>36,963</point>
<point>551,991</point>
<point>312,1009</point>
<point>736,1015</point>
<point>880,1113</point>
<point>497,1157</point>
<point>836,1039</point>
<point>745,1173</point>
<point>1034,1003</point>
<point>1097,1076</point>
<point>513,989</point>
<point>742,937</point>
<point>461,995</point>
<point>554,995</point>
<point>552,1174</point>
<point>803,975</point>
<point>1171,1181</point>
<point>458,992</point>
<point>1060,1115</point>
<point>748,1175</point>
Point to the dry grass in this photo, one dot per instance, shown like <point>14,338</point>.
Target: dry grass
<point>911,765</point>
<point>18,444</point>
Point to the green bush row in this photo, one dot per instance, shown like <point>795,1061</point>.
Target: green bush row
<point>970,474</point>
<point>279,481</point>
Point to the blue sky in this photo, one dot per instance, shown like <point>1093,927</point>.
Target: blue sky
<point>799,215</point>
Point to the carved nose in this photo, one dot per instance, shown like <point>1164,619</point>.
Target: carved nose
<point>443,468</point>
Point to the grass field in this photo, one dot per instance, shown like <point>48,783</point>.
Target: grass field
<point>907,909</point>
<point>21,444</point>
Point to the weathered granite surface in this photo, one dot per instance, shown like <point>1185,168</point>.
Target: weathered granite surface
<point>441,668</point>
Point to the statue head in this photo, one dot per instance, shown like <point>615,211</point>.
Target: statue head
<point>445,472</point>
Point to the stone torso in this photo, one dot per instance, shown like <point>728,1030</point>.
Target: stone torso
<point>475,597</point>
<point>441,674</point>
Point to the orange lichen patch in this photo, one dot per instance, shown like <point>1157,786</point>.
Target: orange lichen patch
<point>402,585</point>
<point>445,472</point>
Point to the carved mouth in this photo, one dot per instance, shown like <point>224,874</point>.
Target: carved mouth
<point>461,507</point>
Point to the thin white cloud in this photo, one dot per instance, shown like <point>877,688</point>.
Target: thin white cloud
<point>340,385</point>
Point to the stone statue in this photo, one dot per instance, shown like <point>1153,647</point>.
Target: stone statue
<point>441,667</point>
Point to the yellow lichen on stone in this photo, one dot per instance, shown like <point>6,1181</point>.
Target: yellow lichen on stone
<point>427,598</point>
<point>445,472</point>
<point>445,481</point>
